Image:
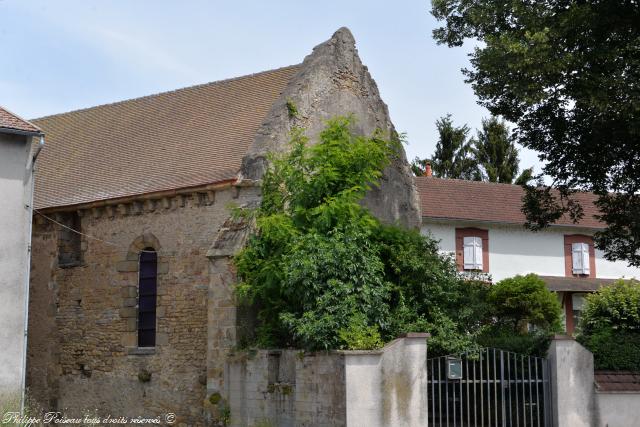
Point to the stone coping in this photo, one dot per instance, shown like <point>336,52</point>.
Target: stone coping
<point>408,335</point>
<point>561,337</point>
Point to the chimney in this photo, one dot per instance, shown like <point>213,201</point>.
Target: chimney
<point>427,170</point>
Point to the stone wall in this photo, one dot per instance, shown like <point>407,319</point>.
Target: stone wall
<point>82,341</point>
<point>289,388</point>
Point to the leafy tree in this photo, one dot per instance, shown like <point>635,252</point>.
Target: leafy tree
<point>452,156</point>
<point>324,273</point>
<point>524,300</point>
<point>610,326</point>
<point>526,315</point>
<point>496,154</point>
<point>567,73</point>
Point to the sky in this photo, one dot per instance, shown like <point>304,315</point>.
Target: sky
<point>64,55</point>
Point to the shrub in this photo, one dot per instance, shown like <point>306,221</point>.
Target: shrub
<point>613,350</point>
<point>616,307</point>
<point>360,336</point>
<point>522,301</point>
<point>535,343</point>
<point>610,326</point>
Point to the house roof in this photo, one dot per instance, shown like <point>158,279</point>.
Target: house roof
<point>575,284</point>
<point>486,201</point>
<point>617,381</point>
<point>179,139</point>
<point>12,123</point>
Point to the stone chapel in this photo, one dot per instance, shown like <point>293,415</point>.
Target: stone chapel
<point>132,306</point>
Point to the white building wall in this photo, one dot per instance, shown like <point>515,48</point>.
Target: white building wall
<point>514,250</point>
<point>15,187</point>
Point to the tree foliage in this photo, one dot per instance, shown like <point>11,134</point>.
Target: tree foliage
<point>525,300</point>
<point>496,154</point>
<point>491,155</point>
<point>452,156</point>
<point>323,273</point>
<point>525,316</point>
<point>616,307</point>
<point>567,73</point>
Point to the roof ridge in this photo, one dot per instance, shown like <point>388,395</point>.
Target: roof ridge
<point>153,95</point>
<point>469,181</point>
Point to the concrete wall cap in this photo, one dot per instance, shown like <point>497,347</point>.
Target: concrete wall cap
<point>563,337</point>
<point>416,335</point>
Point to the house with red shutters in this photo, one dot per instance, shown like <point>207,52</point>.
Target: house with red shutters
<point>482,226</point>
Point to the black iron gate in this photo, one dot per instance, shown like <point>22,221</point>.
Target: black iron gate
<point>489,387</point>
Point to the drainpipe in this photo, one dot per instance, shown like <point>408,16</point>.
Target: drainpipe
<point>23,380</point>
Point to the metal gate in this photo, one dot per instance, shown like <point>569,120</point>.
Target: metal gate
<point>489,387</point>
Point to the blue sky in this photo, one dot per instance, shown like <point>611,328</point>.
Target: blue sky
<point>67,54</point>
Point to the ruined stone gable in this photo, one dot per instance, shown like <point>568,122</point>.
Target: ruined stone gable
<point>332,81</point>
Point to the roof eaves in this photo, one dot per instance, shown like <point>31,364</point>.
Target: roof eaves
<point>486,221</point>
<point>215,185</point>
<point>13,131</point>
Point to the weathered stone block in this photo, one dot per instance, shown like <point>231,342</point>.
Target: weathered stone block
<point>130,302</point>
<point>127,266</point>
<point>162,338</point>
<point>163,267</point>
<point>129,292</point>
<point>126,312</point>
<point>129,339</point>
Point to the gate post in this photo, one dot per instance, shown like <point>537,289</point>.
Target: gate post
<point>572,386</point>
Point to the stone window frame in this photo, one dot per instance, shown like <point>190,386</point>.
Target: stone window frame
<point>129,293</point>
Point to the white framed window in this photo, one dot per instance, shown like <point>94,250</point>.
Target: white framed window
<point>580,258</point>
<point>472,253</point>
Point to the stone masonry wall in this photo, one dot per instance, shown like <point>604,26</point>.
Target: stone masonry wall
<point>82,340</point>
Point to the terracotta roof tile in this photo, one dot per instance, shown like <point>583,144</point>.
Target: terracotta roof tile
<point>11,122</point>
<point>617,381</point>
<point>486,201</point>
<point>184,138</point>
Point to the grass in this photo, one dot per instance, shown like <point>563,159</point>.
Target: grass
<point>10,411</point>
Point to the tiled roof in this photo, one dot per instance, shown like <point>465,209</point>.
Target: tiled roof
<point>617,381</point>
<point>486,201</point>
<point>10,122</point>
<point>575,284</point>
<point>184,138</point>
